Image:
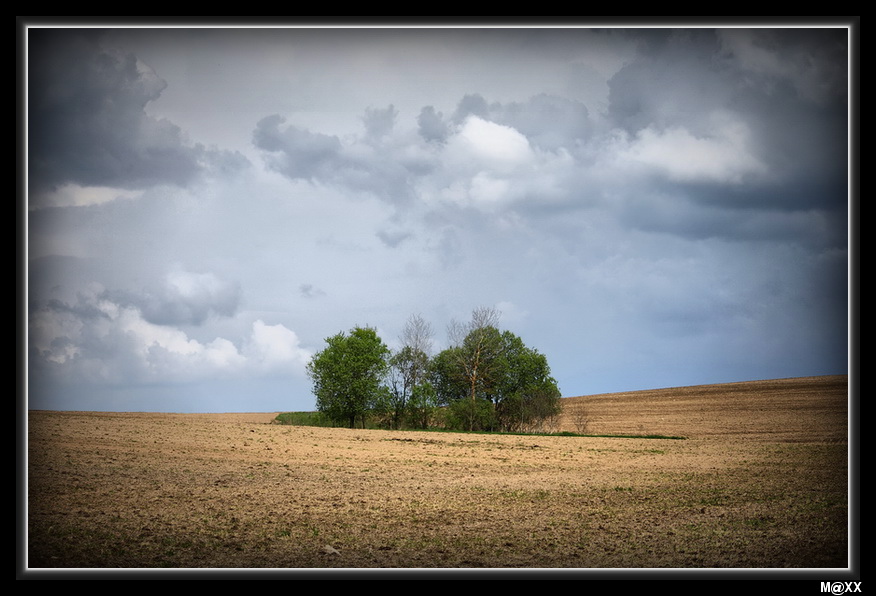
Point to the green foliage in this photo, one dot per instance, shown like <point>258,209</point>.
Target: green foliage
<point>488,380</point>
<point>525,395</point>
<point>447,377</point>
<point>347,375</point>
<point>407,370</point>
<point>304,419</point>
<point>465,414</point>
<point>423,405</point>
<point>507,386</point>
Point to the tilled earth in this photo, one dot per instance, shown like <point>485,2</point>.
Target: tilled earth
<point>760,481</point>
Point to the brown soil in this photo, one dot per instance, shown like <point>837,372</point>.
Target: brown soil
<point>805,409</point>
<point>761,481</point>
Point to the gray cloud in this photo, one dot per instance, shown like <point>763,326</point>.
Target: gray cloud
<point>392,238</point>
<point>384,169</point>
<point>87,122</point>
<point>548,121</point>
<point>785,87</point>
<point>431,125</point>
<point>471,105</point>
<point>185,299</point>
<point>310,291</point>
<point>657,208</point>
<point>379,123</point>
<point>295,152</point>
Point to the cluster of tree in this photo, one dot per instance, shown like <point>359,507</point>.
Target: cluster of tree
<point>486,380</point>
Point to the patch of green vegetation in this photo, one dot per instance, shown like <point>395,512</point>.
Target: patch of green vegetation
<point>716,499</point>
<point>759,522</point>
<point>319,419</point>
<point>304,419</point>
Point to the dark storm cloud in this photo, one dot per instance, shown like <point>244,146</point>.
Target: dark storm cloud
<point>672,79</point>
<point>740,125</point>
<point>87,122</point>
<point>686,215</point>
<point>651,208</point>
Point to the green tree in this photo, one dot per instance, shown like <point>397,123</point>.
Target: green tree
<point>408,368</point>
<point>525,394</point>
<point>476,354</point>
<point>447,377</point>
<point>491,379</point>
<point>348,375</point>
<point>423,405</point>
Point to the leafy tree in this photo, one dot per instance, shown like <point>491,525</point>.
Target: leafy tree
<point>477,356</point>
<point>447,377</point>
<point>347,375</point>
<point>408,368</point>
<point>423,405</point>
<point>490,379</point>
<point>525,394</point>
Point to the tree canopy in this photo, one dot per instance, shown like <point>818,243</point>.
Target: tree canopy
<point>348,374</point>
<point>407,371</point>
<point>486,379</point>
<point>492,380</point>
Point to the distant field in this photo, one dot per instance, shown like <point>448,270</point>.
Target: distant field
<point>759,482</point>
<point>804,409</point>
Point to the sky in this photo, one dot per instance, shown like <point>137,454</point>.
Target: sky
<point>647,207</point>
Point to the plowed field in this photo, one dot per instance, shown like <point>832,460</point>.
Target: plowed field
<point>759,481</point>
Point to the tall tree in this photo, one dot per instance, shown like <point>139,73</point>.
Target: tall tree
<point>476,349</point>
<point>491,379</point>
<point>526,394</point>
<point>348,374</point>
<point>408,366</point>
<point>418,334</point>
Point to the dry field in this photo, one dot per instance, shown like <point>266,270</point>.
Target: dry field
<point>761,481</point>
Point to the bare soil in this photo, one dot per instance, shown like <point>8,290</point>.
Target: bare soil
<point>760,481</point>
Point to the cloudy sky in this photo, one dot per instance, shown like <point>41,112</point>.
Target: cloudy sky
<point>647,207</point>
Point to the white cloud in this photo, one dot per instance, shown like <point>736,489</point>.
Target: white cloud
<point>491,145</point>
<point>274,347</point>
<point>485,188</point>
<point>490,167</point>
<point>723,156</point>
<point>98,340</point>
